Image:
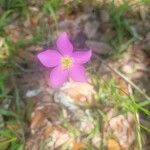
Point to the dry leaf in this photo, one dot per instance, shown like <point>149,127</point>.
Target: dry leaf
<point>80,92</point>
<point>99,47</point>
<point>123,129</point>
<point>123,86</point>
<point>73,93</point>
<point>78,146</point>
<point>48,111</point>
<point>58,137</point>
<point>38,120</point>
<point>47,131</point>
<point>113,145</point>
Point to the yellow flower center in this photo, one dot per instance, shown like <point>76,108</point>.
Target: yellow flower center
<point>66,62</point>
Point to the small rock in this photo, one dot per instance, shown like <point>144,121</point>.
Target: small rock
<point>99,47</point>
<point>33,93</point>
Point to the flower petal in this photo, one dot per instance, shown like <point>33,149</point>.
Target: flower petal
<point>82,57</point>
<point>77,73</point>
<point>64,45</point>
<point>49,58</point>
<point>58,77</point>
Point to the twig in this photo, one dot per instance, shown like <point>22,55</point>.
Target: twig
<point>26,70</point>
<point>125,78</point>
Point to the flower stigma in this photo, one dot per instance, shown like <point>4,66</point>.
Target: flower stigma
<point>66,62</point>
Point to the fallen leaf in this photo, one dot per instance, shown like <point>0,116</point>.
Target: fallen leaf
<point>99,47</point>
<point>73,93</point>
<point>37,120</point>
<point>78,146</point>
<point>48,130</point>
<point>80,92</point>
<point>123,86</point>
<point>113,145</point>
<point>123,130</point>
<point>59,136</point>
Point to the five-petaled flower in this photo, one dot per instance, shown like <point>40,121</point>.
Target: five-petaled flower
<point>66,63</point>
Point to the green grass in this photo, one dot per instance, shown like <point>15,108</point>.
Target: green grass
<point>125,32</point>
<point>15,5</point>
<point>15,114</point>
<point>13,139</point>
<point>108,93</point>
<point>50,7</point>
<point>3,20</point>
<point>118,20</point>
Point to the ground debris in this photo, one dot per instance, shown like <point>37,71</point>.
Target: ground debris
<point>71,117</point>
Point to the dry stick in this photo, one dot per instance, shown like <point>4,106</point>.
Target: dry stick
<point>125,78</point>
<point>26,70</point>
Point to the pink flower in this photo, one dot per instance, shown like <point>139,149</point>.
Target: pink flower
<point>66,63</point>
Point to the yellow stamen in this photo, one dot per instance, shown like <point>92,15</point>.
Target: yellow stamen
<point>66,62</point>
